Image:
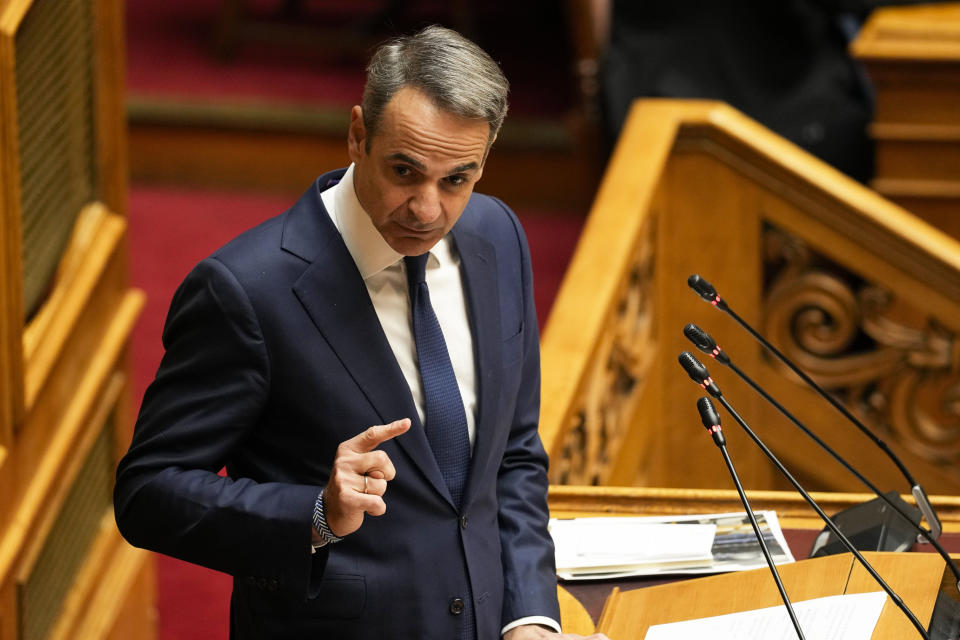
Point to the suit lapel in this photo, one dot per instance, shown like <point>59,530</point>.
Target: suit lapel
<point>336,299</point>
<point>478,263</point>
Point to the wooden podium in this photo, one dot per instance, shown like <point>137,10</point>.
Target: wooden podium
<point>627,614</point>
<point>915,577</point>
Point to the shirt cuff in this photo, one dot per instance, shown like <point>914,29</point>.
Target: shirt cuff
<point>548,622</point>
<point>320,523</point>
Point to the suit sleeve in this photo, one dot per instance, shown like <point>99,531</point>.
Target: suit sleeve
<point>208,393</point>
<point>530,581</point>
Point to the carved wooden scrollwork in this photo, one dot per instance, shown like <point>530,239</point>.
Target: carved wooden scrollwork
<point>610,387</point>
<point>895,367</point>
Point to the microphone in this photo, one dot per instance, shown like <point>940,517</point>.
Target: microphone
<point>707,291</point>
<point>695,369</point>
<point>711,420</point>
<point>698,373</point>
<point>705,342</point>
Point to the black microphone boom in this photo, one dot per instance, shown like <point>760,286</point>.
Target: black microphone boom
<point>705,342</point>
<point>695,369</point>
<point>711,420</point>
<point>709,293</point>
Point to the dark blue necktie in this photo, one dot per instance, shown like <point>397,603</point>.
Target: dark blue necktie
<point>446,419</point>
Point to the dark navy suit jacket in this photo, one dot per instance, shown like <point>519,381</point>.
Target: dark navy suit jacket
<point>274,355</point>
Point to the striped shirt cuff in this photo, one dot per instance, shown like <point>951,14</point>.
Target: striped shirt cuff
<point>320,523</point>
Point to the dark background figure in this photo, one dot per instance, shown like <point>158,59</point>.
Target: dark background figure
<point>784,63</point>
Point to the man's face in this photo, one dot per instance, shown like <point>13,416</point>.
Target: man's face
<point>419,172</point>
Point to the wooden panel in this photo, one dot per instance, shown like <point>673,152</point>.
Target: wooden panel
<point>906,94</point>
<point>8,605</point>
<point>92,271</point>
<point>54,558</point>
<point>924,159</point>
<point>55,123</point>
<point>710,226</point>
<point>113,595</point>
<point>63,373</point>
<point>913,57</point>
<point>914,577</point>
<point>862,294</point>
<point>110,110</point>
<point>9,328</point>
<point>925,33</point>
<point>11,285</point>
<point>573,616</point>
<point>630,614</point>
<point>131,603</point>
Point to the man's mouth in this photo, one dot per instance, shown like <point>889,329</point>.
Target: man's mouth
<point>414,231</point>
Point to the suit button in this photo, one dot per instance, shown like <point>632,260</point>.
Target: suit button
<point>456,606</point>
<point>463,521</point>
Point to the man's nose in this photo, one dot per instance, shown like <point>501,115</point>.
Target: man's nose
<point>425,204</point>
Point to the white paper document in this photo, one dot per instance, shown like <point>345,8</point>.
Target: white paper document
<point>846,617</point>
<point>598,548</point>
<point>621,542</point>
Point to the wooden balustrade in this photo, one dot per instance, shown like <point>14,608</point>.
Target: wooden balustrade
<point>863,295</point>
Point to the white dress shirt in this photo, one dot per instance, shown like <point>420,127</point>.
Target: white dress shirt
<point>384,274</point>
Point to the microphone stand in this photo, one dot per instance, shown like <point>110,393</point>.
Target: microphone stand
<point>711,420</point>
<point>699,374</point>
<point>705,342</point>
<point>707,291</point>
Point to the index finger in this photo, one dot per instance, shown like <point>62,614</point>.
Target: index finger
<point>374,436</point>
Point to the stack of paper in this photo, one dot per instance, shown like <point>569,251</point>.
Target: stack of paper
<point>593,548</point>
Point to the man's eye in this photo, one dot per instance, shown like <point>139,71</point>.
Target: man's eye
<point>456,180</point>
<point>401,171</point>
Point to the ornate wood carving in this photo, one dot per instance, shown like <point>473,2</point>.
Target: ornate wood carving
<point>896,367</point>
<point>603,411</point>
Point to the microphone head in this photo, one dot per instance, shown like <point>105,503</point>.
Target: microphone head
<point>694,368</point>
<point>703,288</point>
<point>708,413</point>
<point>700,338</point>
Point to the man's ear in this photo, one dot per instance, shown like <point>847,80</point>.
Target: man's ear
<point>356,135</point>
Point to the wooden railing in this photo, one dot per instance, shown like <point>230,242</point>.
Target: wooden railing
<point>864,296</point>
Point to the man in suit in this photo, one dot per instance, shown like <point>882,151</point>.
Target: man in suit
<point>388,295</point>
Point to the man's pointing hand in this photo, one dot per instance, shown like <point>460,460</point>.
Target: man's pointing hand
<point>359,478</point>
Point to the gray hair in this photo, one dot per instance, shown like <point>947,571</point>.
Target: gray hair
<point>455,73</point>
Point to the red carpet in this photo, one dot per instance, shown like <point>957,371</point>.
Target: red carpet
<point>170,230</point>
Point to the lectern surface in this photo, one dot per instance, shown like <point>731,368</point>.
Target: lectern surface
<point>916,577</point>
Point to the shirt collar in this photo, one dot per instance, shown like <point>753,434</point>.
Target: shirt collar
<point>369,250</point>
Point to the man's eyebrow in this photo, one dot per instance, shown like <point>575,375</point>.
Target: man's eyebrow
<point>470,166</point>
<point>402,157</point>
<point>405,158</point>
